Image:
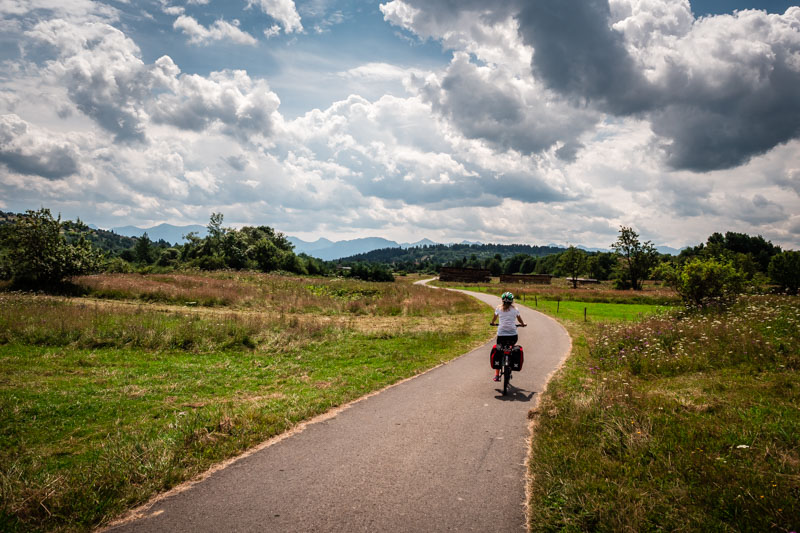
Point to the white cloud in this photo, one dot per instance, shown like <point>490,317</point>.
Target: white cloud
<point>283,11</point>
<point>241,105</point>
<point>102,72</point>
<point>24,150</point>
<point>84,10</point>
<point>218,31</point>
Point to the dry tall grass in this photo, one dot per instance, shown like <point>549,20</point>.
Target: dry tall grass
<point>326,296</point>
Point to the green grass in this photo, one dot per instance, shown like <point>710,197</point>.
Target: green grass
<point>104,404</point>
<point>594,312</point>
<point>681,422</point>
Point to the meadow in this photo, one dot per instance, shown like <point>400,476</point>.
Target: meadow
<point>591,303</point>
<point>686,421</point>
<point>142,382</point>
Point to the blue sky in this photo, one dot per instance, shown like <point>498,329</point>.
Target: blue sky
<point>554,121</point>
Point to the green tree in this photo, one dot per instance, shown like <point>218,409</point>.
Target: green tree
<point>601,265</point>
<point>784,270</point>
<point>573,263</point>
<point>35,254</point>
<point>143,250</point>
<point>513,264</point>
<point>637,257</point>
<point>494,266</point>
<point>702,282</point>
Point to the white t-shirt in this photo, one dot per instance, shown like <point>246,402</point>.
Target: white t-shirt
<point>508,320</point>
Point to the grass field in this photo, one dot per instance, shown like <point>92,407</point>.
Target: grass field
<point>680,422</point>
<point>149,380</point>
<point>591,304</point>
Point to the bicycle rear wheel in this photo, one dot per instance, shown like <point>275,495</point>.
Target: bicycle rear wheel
<point>506,378</point>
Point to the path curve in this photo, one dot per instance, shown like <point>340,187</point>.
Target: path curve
<point>444,451</point>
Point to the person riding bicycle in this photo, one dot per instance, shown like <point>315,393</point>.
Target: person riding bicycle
<point>508,315</point>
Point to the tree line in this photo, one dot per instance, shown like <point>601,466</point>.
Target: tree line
<point>38,251</point>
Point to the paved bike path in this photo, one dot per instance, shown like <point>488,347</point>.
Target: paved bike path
<point>444,451</point>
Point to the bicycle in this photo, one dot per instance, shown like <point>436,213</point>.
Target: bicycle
<point>510,359</point>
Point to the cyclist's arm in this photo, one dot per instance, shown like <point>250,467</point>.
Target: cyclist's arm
<point>494,317</point>
<point>521,322</point>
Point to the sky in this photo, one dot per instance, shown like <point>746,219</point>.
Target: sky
<point>519,121</point>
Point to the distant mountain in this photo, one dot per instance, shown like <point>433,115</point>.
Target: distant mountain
<point>668,250</point>
<point>168,232</point>
<point>423,242</point>
<point>328,251</point>
<point>305,247</point>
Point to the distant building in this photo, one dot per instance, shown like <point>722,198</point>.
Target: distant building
<point>465,275</point>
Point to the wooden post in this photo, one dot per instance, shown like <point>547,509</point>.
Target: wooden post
<point>536,300</point>
<point>584,314</point>
<point>558,305</point>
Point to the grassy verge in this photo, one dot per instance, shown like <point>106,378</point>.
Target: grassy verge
<point>687,423</point>
<point>103,404</point>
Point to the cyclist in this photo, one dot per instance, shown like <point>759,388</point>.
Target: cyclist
<point>508,315</point>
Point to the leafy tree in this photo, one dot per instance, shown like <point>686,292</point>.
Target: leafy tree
<point>705,281</point>
<point>601,265</point>
<point>784,270</point>
<point>494,266</point>
<point>169,257</point>
<point>513,264</point>
<point>637,257</point>
<point>34,253</point>
<point>528,265</point>
<point>573,263</point>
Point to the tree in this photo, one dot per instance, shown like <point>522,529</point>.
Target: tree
<point>637,257</point>
<point>36,255</point>
<point>784,270</point>
<point>143,250</point>
<point>705,281</point>
<point>573,262</point>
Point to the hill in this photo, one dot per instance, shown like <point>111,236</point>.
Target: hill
<point>107,241</point>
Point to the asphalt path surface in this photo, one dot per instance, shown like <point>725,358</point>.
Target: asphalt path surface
<point>444,451</point>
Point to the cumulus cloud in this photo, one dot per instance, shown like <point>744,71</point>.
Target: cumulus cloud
<point>790,181</point>
<point>283,11</point>
<point>717,91</point>
<point>241,105</point>
<point>24,151</point>
<point>218,31</point>
<point>392,150</point>
<point>102,72</point>
<point>491,104</point>
<point>83,10</point>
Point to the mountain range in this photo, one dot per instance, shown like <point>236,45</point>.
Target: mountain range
<point>321,248</point>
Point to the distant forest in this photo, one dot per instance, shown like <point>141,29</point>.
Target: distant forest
<point>446,254</point>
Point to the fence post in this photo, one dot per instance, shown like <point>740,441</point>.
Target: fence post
<point>558,306</point>
<point>584,314</point>
<point>536,300</point>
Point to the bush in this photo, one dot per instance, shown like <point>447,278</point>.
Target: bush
<point>36,255</point>
<point>705,281</point>
<point>784,270</point>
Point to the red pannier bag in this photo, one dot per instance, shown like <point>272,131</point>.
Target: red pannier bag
<point>495,361</point>
<point>517,358</point>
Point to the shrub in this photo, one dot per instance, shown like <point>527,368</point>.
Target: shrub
<point>36,255</point>
<point>705,281</point>
<point>784,270</point>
